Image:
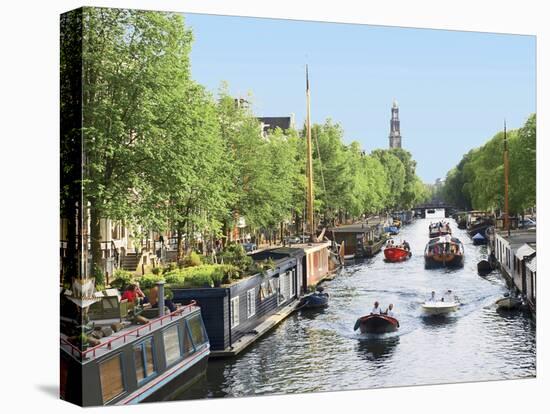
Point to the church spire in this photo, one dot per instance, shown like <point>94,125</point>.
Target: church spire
<point>395,133</point>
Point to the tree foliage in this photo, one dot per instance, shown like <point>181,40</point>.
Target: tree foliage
<point>478,180</point>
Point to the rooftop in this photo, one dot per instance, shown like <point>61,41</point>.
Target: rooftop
<point>519,237</point>
<point>128,334</point>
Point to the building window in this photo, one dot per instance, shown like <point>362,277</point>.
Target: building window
<point>234,311</point>
<point>143,358</point>
<point>292,285</point>
<point>250,303</point>
<point>172,346</point>
<point>112,383</point>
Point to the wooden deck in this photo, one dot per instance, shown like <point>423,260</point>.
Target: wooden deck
<point>260,330</point>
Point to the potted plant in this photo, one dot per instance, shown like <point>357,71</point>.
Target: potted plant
<point>82,341</point>
<point>217,277</point>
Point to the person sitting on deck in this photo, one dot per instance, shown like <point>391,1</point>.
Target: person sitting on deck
<point>389,311</point>
<point>447,243</point>
<point>131,293</point>
<point>153,299</point>
<point>376,310</point>
<point>432,299</point>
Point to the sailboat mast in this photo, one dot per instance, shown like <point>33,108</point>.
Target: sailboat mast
<point>309,165</point>
<point>506,172</point>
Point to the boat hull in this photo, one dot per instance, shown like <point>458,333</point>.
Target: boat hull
<point>439,308</point>
<point>443,260</point>
<point>484,268</point>
<point>438,233</point>
<point>395,254</point>
<point>377,324</point>
<point>314,301</point>
<point>508,303</point>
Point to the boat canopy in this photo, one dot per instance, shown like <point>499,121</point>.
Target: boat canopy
<point>478,236</point>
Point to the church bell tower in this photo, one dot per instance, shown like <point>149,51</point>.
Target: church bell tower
<point>395,133</point>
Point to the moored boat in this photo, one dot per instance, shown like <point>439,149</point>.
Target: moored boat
<point>484,268</point>
<point>444,252</point>
<point>316,300</point>
<point>396,254</point>
<point>376,324</point>
<point>135,363</point>
<point>508,302</point>
<point>392,230</point>
<point>479,239</point>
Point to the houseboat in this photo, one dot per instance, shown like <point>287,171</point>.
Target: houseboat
<point>360,240</point>
<point>238,313</point>
<point>137,362</point>
<point>444,252</point>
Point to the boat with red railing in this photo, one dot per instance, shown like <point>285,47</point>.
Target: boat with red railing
<point>136,362</point>
<point>376,323</point>
<point>396,254</point>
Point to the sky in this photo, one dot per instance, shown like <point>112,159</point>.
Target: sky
<point>454,89</point>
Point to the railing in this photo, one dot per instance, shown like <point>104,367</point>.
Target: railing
<point>149,326</point>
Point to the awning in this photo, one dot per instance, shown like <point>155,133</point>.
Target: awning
<point>532,264</point>
<point>524,250</point>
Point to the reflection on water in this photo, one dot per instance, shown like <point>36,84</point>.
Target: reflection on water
<point>319,351</point>
<point>373,349</point>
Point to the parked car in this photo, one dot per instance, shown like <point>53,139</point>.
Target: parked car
<point>527,223</point>
<point>249,247</point>
<point>292,239</point>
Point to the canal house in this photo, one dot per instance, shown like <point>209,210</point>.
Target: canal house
<point>238,313</point>
<point>516,257</point>
<point>360,240</point>
<point>129,362</point>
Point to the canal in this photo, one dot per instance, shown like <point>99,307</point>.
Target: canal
<point>311,352</point>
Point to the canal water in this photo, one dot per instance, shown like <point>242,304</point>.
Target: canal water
<point>319,351</point>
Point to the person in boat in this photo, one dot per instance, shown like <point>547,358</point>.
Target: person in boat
<point>153,299</point>
<point>389,311</point>
<point>448,243</point>
<point>376,310</point>
<point>132,293</point>
<point>406,246</point>
<point>432,298</point>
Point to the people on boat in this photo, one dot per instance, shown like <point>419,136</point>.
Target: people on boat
<point>132,293</point>
<point>406,246</point>
<point>447,238</point>
<point>389,311</point>
<point>432,298</point>
<point>153,299</point>
<point>376,310</point>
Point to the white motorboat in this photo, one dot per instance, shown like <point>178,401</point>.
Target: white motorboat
<point>439,307</point>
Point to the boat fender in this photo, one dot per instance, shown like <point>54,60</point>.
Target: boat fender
<point>357,324</point>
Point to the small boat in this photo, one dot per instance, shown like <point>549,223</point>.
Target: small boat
<point>396,223</point>
<point>393,230</point>
<point>396,254</point>
<point>437,307</point>
<point>435,230</point>
<point>479,226</point>
<point>508,302</point>
<point>484,268</point>
<point>442,253</point>
<point>314,300</point>
<point>376,324</point>
<point>479,239</point>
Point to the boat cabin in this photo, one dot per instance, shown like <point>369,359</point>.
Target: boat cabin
<point>360,240</point>
<point>135,363</point>
<point>234,310</point>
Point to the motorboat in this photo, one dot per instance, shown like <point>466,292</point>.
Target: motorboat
<point>447,304</point>
<point>444,252</point>
<point>509,302</point>
<point>396,254</point>
<point>393,230</point>
<point>438,229</point>
<point>376,323</point>
<point>439,308</point>
<point>316,300</point>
